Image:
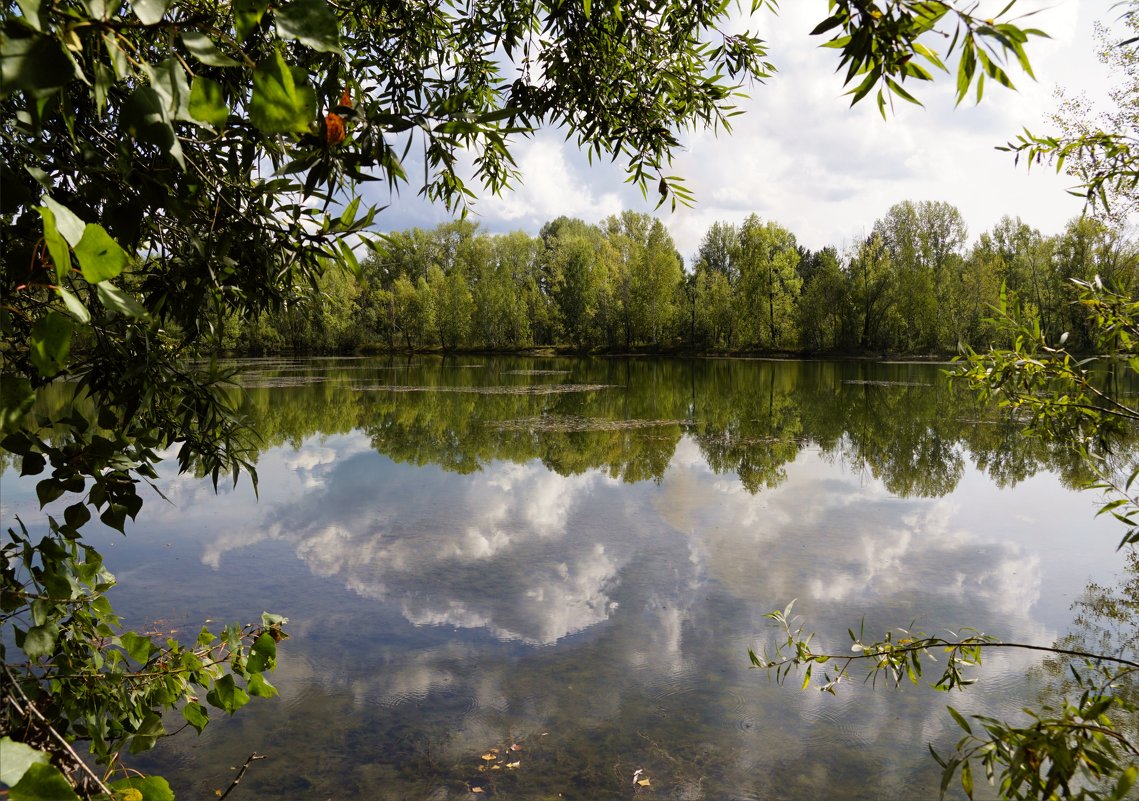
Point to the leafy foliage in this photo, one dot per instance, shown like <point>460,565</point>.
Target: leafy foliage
<point>1073,748</point>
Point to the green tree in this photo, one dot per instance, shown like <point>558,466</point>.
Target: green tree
<point>170,164</point>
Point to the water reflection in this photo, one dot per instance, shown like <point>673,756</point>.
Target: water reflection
<point>467,570</point>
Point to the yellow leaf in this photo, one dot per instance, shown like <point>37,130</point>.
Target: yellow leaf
<point>514,765</point>
<point>477,790</point>
<point>131,794</point>
<point>496,767</point>
<point>489,757</point>
<point>643,782</point>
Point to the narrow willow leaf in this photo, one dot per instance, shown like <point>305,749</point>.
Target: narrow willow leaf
<point>119,301</point>
<point>73,305</point>
<point>56,245</point>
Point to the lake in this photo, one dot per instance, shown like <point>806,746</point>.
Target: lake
<point>567,560</point>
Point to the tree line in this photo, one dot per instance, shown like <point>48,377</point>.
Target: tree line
<point>913,285</point>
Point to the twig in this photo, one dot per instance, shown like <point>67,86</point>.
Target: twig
<point>30,709</point>
<point>240,773</point>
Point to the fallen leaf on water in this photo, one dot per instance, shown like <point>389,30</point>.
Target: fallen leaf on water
<point>515,747</point>
<point>496,767</point>
<point>489,757</point>
<point>477,790</point>
<point>514,765</point>
<point>643,782</point>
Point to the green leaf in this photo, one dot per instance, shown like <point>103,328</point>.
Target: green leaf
<point>147,733</point>
<point>42,783</point>
<point>74,307</point>
<point>40,640</point>
<point>153,788</point>
<point>150,11</point>
<point>310,22</point>
<point>56,246</point>
<point>33,464</point>
<point>137,647</point>
<point>77,514</point>
<point>207,102</point>
<point>281,102</point>
<point>50,344</point>
<point>119,301</point>
<point>48,490</point>
<point>203,48</point>
<point>38,65</point>
<point>247,16</point>
<point>16,758</point>
<point>144,118</point>
<point>260,686</point>
<point>66,221</point>
<point>16,398</point>
<point>34,15</point>
<point>964,724</point>
<point>226,695</point>
<point>168,79</point>
<point>196,715</point>
<point>100,257</point>
<point>263,654</point>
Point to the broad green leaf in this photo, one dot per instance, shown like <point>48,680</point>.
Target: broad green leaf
<point>42,783</point>
<point>260,686</point>
<point>119,301</point>
<point>16,758</point>
<point>263,654</point>
<point>281,103</point>
<point>137,647</point>
<point>226,695</point>
<point>168,79</point>
<point>144,118</point>
<point>310,22</point>
<point>74,307</point>
<point>48,490</point>
<point>33,464</point>
<point>100,257</point>
<point>207,102</point>
<point>33,12</point>
<point>66,221</point>
<point>38,65</point>
<point>247,16</point>
<point>150,11</point>
<point>40,640</point>
<point>152,788</point>
<point>196,715</point>
<point>147,734</point>
<point>203,48</point>
<point>56,245</point>
<point>16,398</point>
<point>50,344</point>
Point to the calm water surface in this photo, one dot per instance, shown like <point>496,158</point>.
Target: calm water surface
<point>574,556</point>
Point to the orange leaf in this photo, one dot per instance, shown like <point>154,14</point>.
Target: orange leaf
<point>346,98</point>
<point>334,130</point>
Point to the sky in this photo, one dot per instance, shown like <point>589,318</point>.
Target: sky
<point>801,156</point>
